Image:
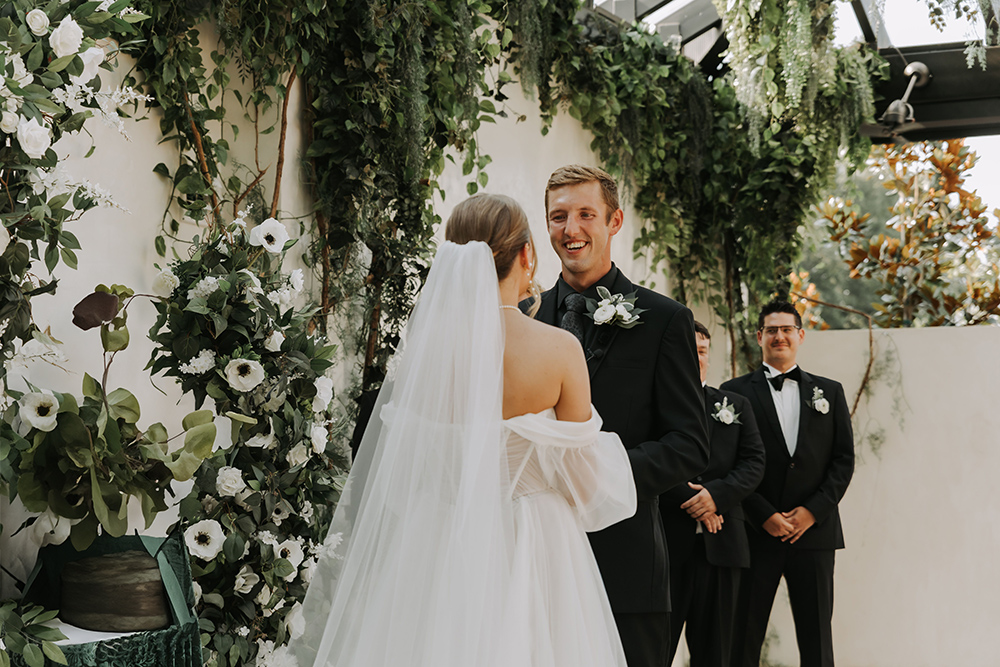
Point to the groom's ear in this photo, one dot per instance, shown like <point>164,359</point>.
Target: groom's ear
<point>616,221</point>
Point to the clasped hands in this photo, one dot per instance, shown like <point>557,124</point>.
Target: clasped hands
<point>701,507</point>
<point>790,526</point>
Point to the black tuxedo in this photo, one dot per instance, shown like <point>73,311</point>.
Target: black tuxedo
<point>815,477</point>
<point>705,567</point>
<point>644,383</point>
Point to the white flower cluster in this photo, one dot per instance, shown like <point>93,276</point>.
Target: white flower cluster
<point>819,402</point>
<point>205,361</point>
<point>203,288</point>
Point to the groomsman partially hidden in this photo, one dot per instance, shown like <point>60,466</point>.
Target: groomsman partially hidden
<point>806,428</point>
<point>703,520</point>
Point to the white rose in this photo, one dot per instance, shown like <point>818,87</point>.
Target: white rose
<point>38,22</point>
<point>263,440</point>
<point>298,455</point>
<point>33,138</point>
<point>324,393</point>
<point>165,283</point>
<point>295,621</point>
<point>270,234</point>
<point>263,596</point>
<point>318,436</point>
<point>229,481</point>
<point>4,239</point>
<point>65,40</point>
<point>623,310</point>
<point>307,571</point>
<point>245,580</point>
<point>205,539</point>
<point>274,341</point>
<point>92,59</point>
<point>604,314</point>
<point>21,73</point>
<point>197,591</point>
<point>244,374</point>
<point>39,409</point>
<point>822,406</point>
<point>9,122</point>
<point>726,416</point>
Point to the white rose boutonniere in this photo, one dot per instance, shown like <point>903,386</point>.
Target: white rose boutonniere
<point>724,413</point>
<point>616,309</point>
<point>819,402</point>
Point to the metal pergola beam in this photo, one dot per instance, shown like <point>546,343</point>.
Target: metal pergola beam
<point>959,101</point>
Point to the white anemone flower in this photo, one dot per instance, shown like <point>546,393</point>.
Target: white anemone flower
<point>270,234</point>
<point>39,409</point>
<point>244,374</point>
<point>205,539</point>
<point>291,551</point>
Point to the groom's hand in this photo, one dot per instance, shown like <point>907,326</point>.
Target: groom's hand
<point>700,503</point>
<point>801,520</point>
<point>778,526</point>
<point>711,522</point>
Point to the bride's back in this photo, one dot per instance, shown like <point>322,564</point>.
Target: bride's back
<point>543,367</point>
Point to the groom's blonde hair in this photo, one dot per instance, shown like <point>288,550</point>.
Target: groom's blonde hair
<point>575,174</point>
<point>501,223</point>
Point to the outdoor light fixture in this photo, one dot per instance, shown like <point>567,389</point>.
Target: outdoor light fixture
<point>901,111</point>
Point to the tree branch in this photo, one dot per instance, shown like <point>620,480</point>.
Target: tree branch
<point>281,142</point>
<point>200,150</point>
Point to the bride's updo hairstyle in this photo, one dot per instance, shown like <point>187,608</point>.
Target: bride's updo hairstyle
<point>501,223</point>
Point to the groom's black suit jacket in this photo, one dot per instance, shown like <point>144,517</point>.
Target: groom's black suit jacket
<point>644,382</point>
<point>816,477</point>
<point>734,470</point>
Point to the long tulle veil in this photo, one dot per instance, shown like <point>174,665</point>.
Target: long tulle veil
<point>416,565</point>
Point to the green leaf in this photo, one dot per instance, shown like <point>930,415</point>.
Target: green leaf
<point>33,656</point>
<point>91,387</point>
<point>54,653</point>
<point>199,440</point>
<point>123,405</point>
<point>59,64</point>
<point>196,418</point>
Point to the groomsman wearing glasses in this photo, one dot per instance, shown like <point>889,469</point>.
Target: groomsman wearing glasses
<point>703,520</point>
<point>794,524</point>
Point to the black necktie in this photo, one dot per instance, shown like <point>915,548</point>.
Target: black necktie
<point>573,321</point>
<point>778,381</point>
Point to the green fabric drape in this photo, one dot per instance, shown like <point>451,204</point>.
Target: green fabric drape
<point>178,645</point>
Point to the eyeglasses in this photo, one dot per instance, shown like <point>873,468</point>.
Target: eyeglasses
<point>772,331</point>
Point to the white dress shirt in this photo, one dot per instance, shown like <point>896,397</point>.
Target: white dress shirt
<point>787,405</point>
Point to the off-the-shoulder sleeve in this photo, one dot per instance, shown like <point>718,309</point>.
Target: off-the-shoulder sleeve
<point>589,467</point>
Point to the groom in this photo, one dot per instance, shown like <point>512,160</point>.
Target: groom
<point>645,385</point>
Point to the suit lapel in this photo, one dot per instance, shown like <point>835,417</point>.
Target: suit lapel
<point>605,335</point>
<point>547,310</point>
<point>805,408</point>
<point>763,391</point>
<point>711,398</point>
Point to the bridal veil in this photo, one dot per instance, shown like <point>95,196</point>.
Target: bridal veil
<point>416,565</point>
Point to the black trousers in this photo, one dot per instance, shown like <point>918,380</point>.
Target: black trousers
<point>645,638</point>
<point>809,576</point>
<point>703,597</point>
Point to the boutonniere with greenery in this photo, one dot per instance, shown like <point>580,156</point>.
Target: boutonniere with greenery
<point>819,403</point>
<point>725,413</point>
<point>616,309</point>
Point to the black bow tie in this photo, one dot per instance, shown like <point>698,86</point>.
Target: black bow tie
<point>778,381</point>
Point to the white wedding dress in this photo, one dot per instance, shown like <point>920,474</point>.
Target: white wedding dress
<point>569,478</point>
<point>459,539</point>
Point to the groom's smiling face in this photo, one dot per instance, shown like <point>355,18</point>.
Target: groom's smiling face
<point>580,229</point>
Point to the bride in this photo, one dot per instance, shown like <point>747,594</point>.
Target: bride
<point>459,540</point>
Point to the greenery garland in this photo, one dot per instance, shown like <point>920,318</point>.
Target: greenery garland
<point>724,212</point>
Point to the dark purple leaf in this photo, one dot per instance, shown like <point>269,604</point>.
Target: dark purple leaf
<point>95,309</point>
